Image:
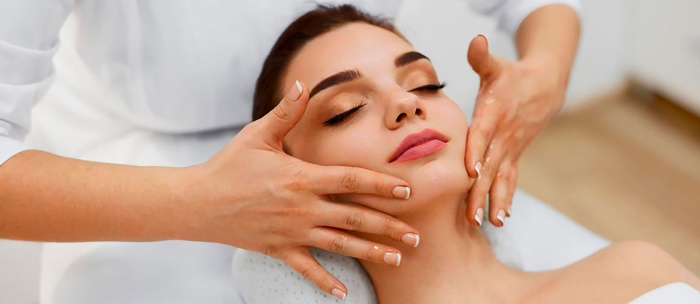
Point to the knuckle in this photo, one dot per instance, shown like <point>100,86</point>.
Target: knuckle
<point>350,182</point>
<point>298,181</point>
<point>339,244</point>
<point>380,188</point>
<point>291,211</point>
<point>390,228</point>
<point>485,132</point>
<point>280,112</point>
<point>374,254</point>
<point>272,251</point>
<point>498,197</point>
<point>354,221</point>
<point>489,171</point>
<point>310,274</point>
<point>295,211</point>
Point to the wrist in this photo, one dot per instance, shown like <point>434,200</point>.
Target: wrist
<point>548,79</point>
<point>185,220</point>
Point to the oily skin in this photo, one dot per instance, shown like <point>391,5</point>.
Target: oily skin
<point>371,135</point>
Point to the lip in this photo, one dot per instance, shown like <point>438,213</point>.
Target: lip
<point>418,145</point>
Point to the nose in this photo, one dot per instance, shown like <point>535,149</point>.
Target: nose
<point>404,107</point>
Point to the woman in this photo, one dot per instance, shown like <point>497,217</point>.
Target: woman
<point>376,103</point>
<point>167,85</point>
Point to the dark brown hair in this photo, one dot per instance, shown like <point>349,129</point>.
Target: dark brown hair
<point>323,19</point>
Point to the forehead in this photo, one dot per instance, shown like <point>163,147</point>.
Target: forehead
<point>353,46</point>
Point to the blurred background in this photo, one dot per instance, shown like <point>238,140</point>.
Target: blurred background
<point>623,156</point>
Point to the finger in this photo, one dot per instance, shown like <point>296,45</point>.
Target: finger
<point>498,195</point>
<point>361,219</point>
<point>340,180</point>
<point>349,245</point>
<point>278,122</point>
<point>480,135</point>
<point>305,264</point>
<point>512,185</point>
<point>476,200</point>
<point>479,58</point>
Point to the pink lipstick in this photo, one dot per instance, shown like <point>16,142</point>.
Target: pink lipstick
<point>419,144</point>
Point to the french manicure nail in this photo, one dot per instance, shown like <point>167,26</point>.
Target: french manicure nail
<point>393,258</point>
<point>294,92</point>
<point>411,239</point>
<point>338,294</point>
<point>401,192</point>
<point>501,216</point>
<point>477,167</point>
<point>479,216</point>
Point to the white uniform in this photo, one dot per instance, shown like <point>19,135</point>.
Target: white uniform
<point>144,82</point>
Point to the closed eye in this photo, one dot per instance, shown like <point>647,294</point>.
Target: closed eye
<point>342,116</point>
<point>429,87</point>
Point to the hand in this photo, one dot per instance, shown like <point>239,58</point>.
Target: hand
<point>256,197</point>
<point>516,100</point>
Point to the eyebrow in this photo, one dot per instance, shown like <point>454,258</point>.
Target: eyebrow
<point>350,75</point>
<point>409,57</point>
<point>335,79</point>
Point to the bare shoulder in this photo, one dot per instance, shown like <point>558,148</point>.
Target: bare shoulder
<point>618,273</point>
<point>646,262</point>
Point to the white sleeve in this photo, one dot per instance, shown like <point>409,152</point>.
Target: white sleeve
<point>28,40</point>
<point>511,13</point>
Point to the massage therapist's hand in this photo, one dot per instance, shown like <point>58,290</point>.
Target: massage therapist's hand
<point>254,196</point>
<point>515,102</point>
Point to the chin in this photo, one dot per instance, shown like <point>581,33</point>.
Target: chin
<point>433,179</point>
<point>439,179</point>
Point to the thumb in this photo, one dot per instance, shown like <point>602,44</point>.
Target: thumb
<point>479,57</point>
<point>278,122</point>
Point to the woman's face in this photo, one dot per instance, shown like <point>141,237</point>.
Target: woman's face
<point>374,97</point>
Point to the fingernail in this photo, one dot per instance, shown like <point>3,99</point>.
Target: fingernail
<point>501,216</point>
<point>479,215</point>
<point>401,192</point>
<point>510,210</point>
<point>294,92</point>
<point>411,239</point>
<point>393,258</point>
<point>487,39</point>
<point>338,294</point>
<point>477,167</point>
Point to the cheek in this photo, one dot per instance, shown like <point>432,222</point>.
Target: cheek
<point>350,146</point>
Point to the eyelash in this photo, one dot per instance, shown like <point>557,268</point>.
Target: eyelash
<point>342,116</point>
<point>430,87</point>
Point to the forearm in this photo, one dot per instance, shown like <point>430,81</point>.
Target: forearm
<point>549,36</point>
<point>46,197</point>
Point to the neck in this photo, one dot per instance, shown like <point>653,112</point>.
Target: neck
<point>453,261</point>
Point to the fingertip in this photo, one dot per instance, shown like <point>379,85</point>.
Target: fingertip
<point>475,210</point>
<point>295,92</point>
<point>484,38</point>
<point>478,46</point>
<point>498,218</point>
<point>479,216</point>
<point>397,187</point>
<point>340,294</point>
<point>471,162</point>
<point>477,168</point>
<point>402,192</point>
<point>478,55</point>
